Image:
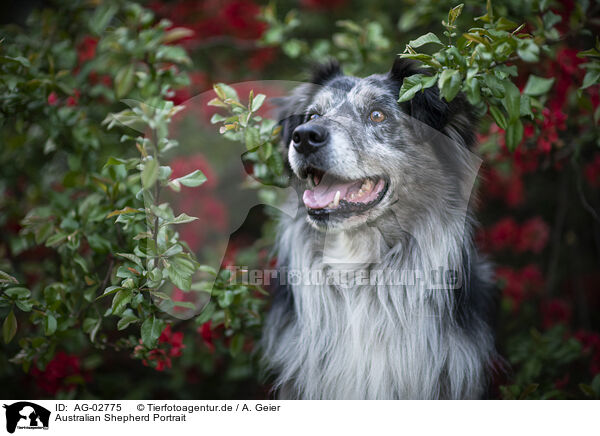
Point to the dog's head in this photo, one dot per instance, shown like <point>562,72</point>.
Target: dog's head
<point>356,151</point>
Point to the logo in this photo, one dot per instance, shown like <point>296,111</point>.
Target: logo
<point>26,415</point>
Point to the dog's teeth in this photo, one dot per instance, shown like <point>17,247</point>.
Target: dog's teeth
<point>336,199</point>
<point>316,179</point>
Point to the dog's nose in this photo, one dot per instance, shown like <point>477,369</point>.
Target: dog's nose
<point>308,138</point>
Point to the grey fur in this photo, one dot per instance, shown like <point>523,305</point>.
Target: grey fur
<point>382,341</point>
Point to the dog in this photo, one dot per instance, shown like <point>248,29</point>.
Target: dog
<point>386,192</point>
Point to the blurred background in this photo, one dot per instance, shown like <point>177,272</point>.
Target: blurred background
<point>64,66</point>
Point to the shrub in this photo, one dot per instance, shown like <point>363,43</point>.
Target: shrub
<point>101,283</point>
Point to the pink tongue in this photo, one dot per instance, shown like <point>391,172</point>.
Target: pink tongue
<point>323,194</point>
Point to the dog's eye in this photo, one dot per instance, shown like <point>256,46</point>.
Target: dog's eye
<point>377,116</point>
<point>313,116</point>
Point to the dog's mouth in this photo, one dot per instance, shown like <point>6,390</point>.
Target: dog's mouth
<point>332,195</point>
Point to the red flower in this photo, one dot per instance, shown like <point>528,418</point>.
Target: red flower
<point>161,359</point>
<point>533,235</point>
<point>86,50</point>
<point>169,345</point>
<point>207,335</point>
<point>532,278</point>
<point>174,340</point>
<point>73,99</point>
<point>60,373</point>
<point>261,58</point>
<point>555,311</point>
<point>241,17</point>
<point>503,234</point>
<point>52,99</point>
<point>517,286</point>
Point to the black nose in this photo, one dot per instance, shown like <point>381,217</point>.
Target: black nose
<point>307,138</point>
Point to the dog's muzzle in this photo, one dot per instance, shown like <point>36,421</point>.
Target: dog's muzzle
<point>308,138</point>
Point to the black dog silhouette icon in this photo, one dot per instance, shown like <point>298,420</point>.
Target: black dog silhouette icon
<point>26,414</point>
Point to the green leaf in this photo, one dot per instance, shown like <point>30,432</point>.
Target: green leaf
<point>173,53</point>
<point>9,327</point>
<point>182,219</point>
<point>121,300</point>
<point>49,324</point>
<point>258,102</point>
<point>591,78</point>
<point>428,38</point>
<point>124,81</point>
<point>91,326</point>
<point>126,320</point>
<point>410,86</point>
<point>236,344</point>
<point>498,117</point>
<point>251,138</point>
<point>537,85</point>
<point>7,278</point>
<point>151,329</point>
<point>514,134</point>
<point>206,314</point>
<point>528,50</point>
<point>179,278</point>
<point>149,173</point>
<point>102,16</point>
<point>226,298</point>
<point>185,304</point>
<point>176,34</point>
<point>18,292</point>
<point>512,100</point>
<point>131,257</point>
<point>472,91</point>
<point>225,91</point>
<point>24,305</point>
<point>193,179</point>
<point>449,83</point>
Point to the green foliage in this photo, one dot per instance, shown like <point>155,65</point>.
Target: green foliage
<point>259,135</point>
<point>92,247</point>
<point>94,199</point>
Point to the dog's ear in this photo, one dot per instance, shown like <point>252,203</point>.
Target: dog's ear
<point>323,73</point>
<point>454,118</point>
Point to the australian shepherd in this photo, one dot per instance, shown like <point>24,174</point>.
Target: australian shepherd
<point>386,296</point>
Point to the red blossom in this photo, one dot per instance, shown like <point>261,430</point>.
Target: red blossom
<point>52,99</point>
<point>86,50</point>
<point>174,340</point>
<point>207,335</point>
<point>555,311</point>
<point>73,99</point>
<point>533,236</point>
<point>169,345</point>
<point>60,373</point>
<point>518,285</point>
<point>503,234</point>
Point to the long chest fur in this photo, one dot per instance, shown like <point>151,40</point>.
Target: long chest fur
<point>380,340</point>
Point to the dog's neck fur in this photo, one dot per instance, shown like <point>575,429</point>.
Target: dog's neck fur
<point>374,341</point>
